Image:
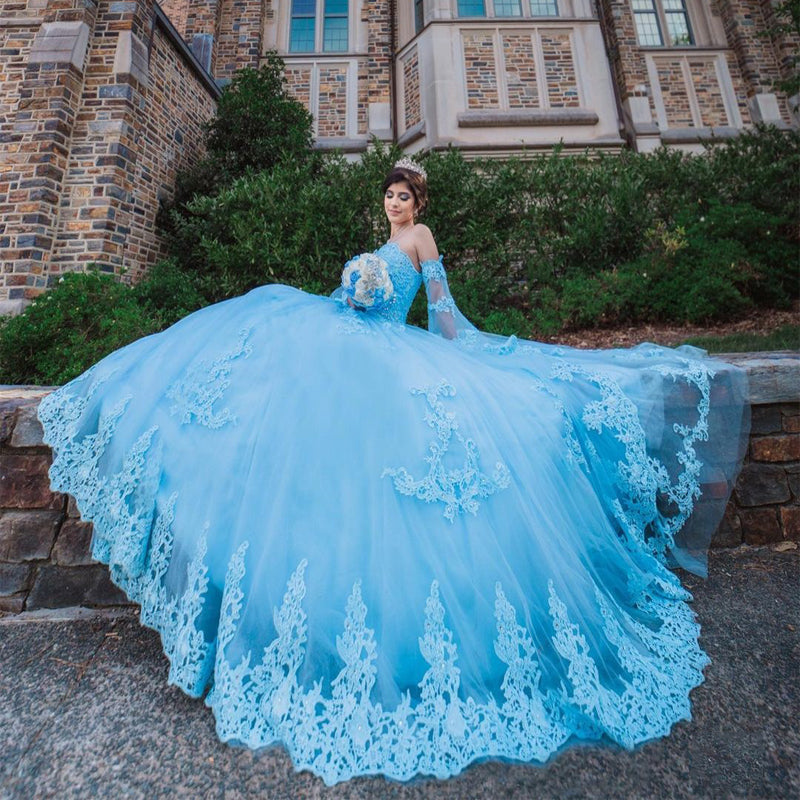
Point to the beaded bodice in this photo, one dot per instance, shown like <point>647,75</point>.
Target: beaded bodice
<point>405,279</point>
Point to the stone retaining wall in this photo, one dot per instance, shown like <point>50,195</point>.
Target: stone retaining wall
<point>44,546</point>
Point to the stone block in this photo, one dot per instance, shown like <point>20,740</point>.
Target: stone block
<point>117,90</point>
<point>13,604</point>
<point>59,587</point>
<point>28,430</point>
<point>760,525</point>
<point>14,578</point>
<point>790,522</point>
<point>72,508</point>
<point>765,419</point>
<point>73,544</point>
<point>59,43</point>
<point>775,448</point>
<point>27,535</point>
<point>761,485</point>
<point>729,532</point>
<point>24,482</point>
<point>791,424</point>
<point>8,413</point>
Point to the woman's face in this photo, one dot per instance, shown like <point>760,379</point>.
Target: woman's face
<point>399,203</point>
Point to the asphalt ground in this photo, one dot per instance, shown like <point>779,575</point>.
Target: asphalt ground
<point>85,711</point>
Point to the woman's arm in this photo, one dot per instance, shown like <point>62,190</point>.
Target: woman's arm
<point>440,303</point>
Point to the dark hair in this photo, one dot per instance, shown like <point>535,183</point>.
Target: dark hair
<point>418,184</point>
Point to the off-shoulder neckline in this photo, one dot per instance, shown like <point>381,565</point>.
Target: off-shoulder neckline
<point>408,257</point>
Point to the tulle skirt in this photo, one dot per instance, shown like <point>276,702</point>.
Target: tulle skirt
<point>397,554</point>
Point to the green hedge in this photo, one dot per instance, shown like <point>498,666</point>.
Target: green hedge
<point>85,316</point>
<point>532,245</point>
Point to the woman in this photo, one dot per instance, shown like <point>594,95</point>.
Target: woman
<point>397,551</point>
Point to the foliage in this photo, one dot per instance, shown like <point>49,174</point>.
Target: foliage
<point>64,331</point>
<point>787,21</point>
<point>532,246</point>
<point>84,317</point>
<point>257,126</point>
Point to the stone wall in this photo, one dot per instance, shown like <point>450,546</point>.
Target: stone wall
<point>44,546</point>
<point>684,94</point>
<point>100,103</point>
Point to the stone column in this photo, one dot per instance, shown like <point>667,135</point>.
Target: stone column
<point>239,37</point>
<point>629,72</point>
<point>202,21</point>
<point>98,200</point>
<point>745,24</point>
<point>36,138</point>
<point>375,72</point>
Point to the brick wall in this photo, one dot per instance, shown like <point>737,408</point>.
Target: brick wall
<point>674,93</point>
<point>481,70</point>
<point>101,105</point>
<point>332,114</point>
<point>520,70</point>
<point>240,41</point>
<point>298,83</point>
<point>559,68</point>
<point>411,98</point>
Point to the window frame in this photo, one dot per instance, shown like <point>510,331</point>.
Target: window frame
<point>662,22</point>
<point>525,11</point>
<point>319,30</point>
<point>419,15</point>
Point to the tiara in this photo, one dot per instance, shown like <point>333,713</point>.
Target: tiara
<point>411,166</point>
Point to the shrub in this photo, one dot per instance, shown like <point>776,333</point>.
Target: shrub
<point>257,126</point>
<point>63,332</point>
<point>565,241</point>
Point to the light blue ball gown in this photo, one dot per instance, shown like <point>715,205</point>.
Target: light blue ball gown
<point>398,551</point>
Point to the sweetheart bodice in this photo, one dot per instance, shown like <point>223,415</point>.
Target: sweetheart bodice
<point>405,279</point>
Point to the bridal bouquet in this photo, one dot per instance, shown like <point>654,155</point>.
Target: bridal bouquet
<point>366,281</point>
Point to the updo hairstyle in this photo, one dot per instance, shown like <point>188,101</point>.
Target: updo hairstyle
<point>418,184</point>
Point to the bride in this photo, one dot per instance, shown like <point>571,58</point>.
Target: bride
<point>397,551</point>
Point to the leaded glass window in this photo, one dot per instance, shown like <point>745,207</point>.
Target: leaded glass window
<point>333,15</point>
<point>334,30</point>
<point>544,8</point>
<point>301,36</point>
<point>677,22</point>
<point>648,28</point>
<point>508,8</point>
<point>652,16</point>
<point>419,15</point>
<point>471,8</point>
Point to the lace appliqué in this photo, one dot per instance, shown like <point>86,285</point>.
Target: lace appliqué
<point>458,489</point>
<point>352,322</point>
<point>342,732</point>
<point>446,304</point>
<point>195,393</point>
<point>119,504</point>
<point>574,451</point>
<point>641,477</point>
<point>432,270</point>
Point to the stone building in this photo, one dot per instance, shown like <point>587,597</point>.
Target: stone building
<point>101,100</point>
<point>495,76</point>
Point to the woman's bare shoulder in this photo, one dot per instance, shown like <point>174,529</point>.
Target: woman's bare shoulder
<point>424,243</point>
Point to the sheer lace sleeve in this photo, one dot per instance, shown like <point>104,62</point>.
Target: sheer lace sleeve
<point>444,318</point>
